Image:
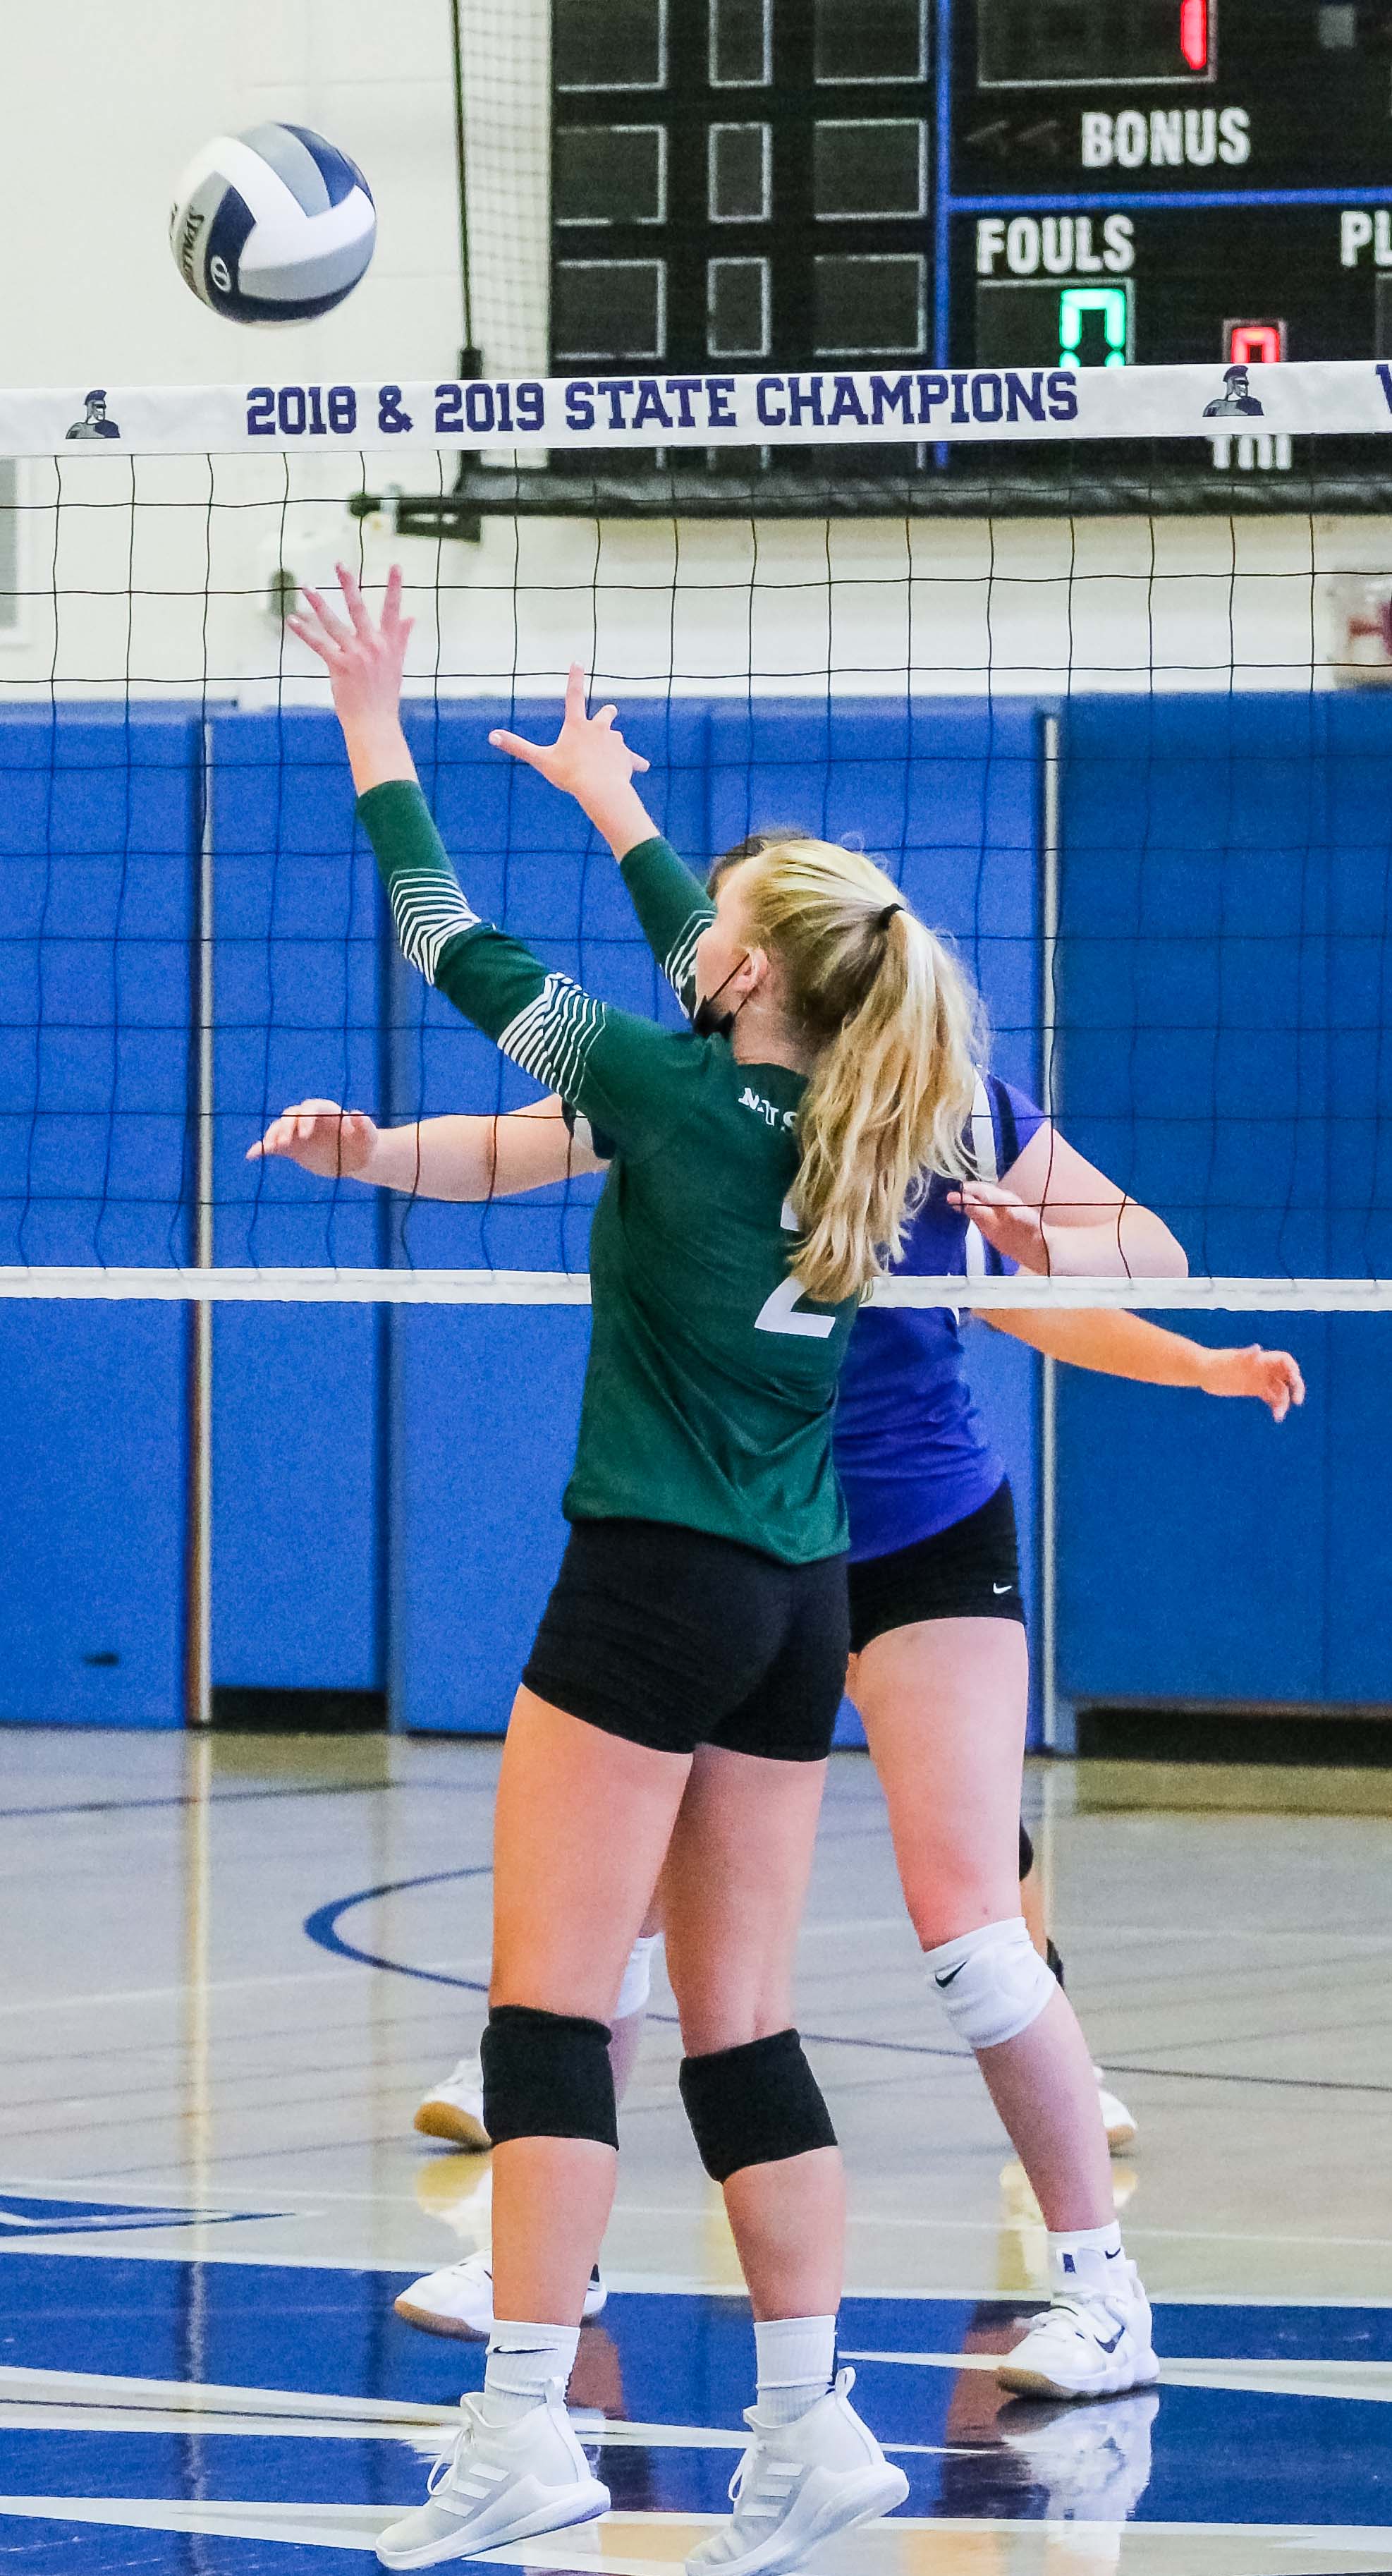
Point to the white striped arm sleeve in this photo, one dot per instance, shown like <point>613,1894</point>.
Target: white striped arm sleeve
<point>679,964</point>
<point>551,1037</point>
<point>428,908</point>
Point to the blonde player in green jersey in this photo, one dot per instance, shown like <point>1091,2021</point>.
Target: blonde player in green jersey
<point>677,1709</point>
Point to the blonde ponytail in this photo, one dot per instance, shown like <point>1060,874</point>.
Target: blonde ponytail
<point>896,1024</point>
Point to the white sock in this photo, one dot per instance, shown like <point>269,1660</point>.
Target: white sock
<point>525,2362</point>
<point>795,2361</point>
<point>1085,2258</point>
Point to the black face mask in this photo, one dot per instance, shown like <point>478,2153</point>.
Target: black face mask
<point>706,1020</point>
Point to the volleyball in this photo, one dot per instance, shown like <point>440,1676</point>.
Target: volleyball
<point>274,225</point>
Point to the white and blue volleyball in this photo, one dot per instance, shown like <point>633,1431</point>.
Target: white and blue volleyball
<point>274,225</point>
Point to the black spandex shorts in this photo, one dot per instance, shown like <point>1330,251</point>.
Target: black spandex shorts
<point>673,1638</point>
<point>969,1571</point>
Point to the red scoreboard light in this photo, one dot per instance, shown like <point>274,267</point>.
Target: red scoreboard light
<point>1193,33</point>
<point>1254,344</point>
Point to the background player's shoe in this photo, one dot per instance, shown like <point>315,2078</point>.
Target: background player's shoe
<point>797,2484</point>
<point>497,2484</point>
<point>459,2300</point>
<point>454,2109</point>
<point>1116,2119</point>
<point>1092,2341</point>
<point>1093,2460</point>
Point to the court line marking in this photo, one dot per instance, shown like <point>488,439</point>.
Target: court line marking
<point>163,2405</point>
<point>352,2526</point>
<point>242,1797</point>
<point>321,1927</point>
<point>1234,2378</point>
<point>674,2285</point>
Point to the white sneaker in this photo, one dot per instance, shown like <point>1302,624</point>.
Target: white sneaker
<point>797,2484</point>
<point>1116,2119</point>
<point>496,2484</point>
<point>459,2300</point>
<point>1092,2341</point>
<point>454,2109</point>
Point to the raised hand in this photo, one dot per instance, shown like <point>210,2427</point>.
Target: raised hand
<point>1271,1376</point>
<point>336,1144</point>
<point>364,658</point>
<point>590,761</point>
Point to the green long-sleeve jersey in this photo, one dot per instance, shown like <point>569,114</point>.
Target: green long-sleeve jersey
<point>711,1380</point>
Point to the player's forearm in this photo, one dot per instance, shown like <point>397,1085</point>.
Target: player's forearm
<point>1113,1344</point>
<point>378,751</point>
<point>437,1158</point>
<point>620,816</point>
<point>1128,1243</point>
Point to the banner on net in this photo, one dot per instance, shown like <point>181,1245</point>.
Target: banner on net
<point>820,407</point>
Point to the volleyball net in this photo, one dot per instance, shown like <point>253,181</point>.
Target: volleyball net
<point>1095,661</point>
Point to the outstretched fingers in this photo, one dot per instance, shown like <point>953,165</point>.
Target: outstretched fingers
<point>395,627</point>
<point>575,694</point>
<point>320,629</point>
<point>359,615</point>
<point>536,754</point>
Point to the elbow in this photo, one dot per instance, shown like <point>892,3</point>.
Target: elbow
<point>1169,1260</point>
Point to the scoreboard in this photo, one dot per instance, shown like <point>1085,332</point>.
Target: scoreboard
<point>1015,183</point>
<point>1165,182</point>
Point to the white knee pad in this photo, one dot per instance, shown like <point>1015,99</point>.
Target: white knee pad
<point>991,1984</point>
<point>636,1985</point>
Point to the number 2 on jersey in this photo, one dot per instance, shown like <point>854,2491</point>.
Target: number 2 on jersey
<point>783,1312</point>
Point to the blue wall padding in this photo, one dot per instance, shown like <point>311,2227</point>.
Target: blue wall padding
<point>97,841</point>
<point>485,1406</point>
<point>98,831</point>
<point>946,794</point>
<point>298,1456</point>
<point>298,979</point>
<point>299,1497</point>
<point>92,1482</point>
<point>1225,981</point>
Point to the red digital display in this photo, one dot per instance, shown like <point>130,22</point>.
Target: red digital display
<point>1256,344</point>
<point>1193,33</point>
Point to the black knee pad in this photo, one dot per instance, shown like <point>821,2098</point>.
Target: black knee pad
<point>1026,1854</point>
<point>546,2075</point>
<point>754,2105</point>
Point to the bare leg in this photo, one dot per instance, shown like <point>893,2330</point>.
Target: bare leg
<point>732,1898</point>
<point>569,1894</point>
<point>944,1709</point>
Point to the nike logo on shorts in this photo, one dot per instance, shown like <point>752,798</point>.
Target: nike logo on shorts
<point>951,1973</point>
<point>1002,1587</point>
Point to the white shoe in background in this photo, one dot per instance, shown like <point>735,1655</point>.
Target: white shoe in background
<point>1118,2122</point>
<point>796,2485</point>
<point>459,2300</point>
<point>497,2484</point>
<point>1093,2340</point>
<point>454,2109</point>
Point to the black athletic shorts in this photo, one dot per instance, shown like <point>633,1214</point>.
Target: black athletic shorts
<point>673,1638</point>
<point>968,1571</point>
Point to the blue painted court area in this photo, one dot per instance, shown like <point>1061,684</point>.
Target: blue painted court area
<point>163,2416</point>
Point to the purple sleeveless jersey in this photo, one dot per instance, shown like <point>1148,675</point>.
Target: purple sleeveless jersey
<point>910,1451</point>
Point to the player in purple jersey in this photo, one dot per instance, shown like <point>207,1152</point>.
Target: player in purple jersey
<point>940,1668</point>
